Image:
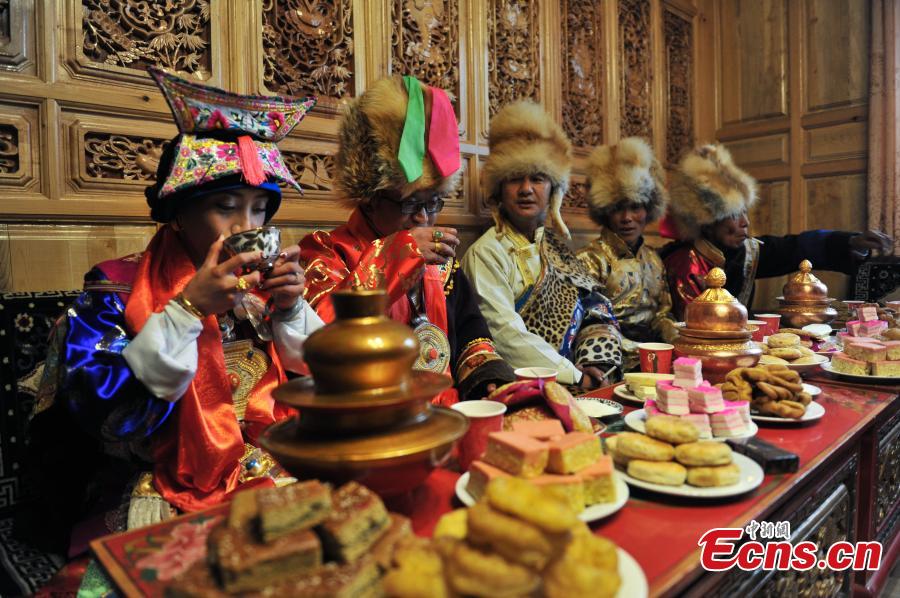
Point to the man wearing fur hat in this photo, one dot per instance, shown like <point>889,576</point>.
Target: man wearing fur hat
<point>627,192</point>
<point>710,200</point>
<point>397,160</point>
<point>543,307</point>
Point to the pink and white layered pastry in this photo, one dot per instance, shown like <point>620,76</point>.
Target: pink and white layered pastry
<point>867,313</point>
<point>727,423</point>
<point>688,372</point>
<point>651,409</point>
<point>701,422</point>
<point>705,399</point>
<point>870,328</point>
<point>671,399</point>
<point>742,407</point>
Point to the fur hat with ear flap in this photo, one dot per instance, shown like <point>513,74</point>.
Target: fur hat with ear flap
<point>708,187</point>
<point>525,140</point>
<point>390,144</point>
<point>626,171</point>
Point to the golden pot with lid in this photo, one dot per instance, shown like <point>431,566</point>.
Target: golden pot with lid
<point>804,286</point>
<point>716,308</point>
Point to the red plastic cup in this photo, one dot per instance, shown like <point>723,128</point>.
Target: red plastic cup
<point>545,374</point>
<point>761,329</point>
<point>656,358</point>
<point>773,322</point>
<point>484,417</point>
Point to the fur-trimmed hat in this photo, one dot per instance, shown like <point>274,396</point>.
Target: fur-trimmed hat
<point>629,171</point>
<point>708,187</point>
<point>525,140</point>
<point>369,136</point>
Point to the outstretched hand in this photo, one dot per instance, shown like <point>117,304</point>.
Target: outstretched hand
<point>870,241</point>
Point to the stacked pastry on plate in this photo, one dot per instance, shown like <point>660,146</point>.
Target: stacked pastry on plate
<point>518,540</point>
<point>868,357</point>
<point>541,451</point>
<point>768,389</point>
<point>298,540</point>
<point>670,454</point>
<point>786,348</point>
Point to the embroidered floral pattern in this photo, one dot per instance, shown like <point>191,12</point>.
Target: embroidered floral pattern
<point>200,161</point>
<point>186,545</point>
<point>24,322</point>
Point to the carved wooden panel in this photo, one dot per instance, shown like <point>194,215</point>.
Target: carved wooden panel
<point>18,148</point>
<point>308,48</point>
<point>514,69</point>
<point>112,154</point>
<point>425,43</point>
<point>770,216</point>
<point>134,34</point>
<point>636,69</point>
<point>848,140</point>
<point>17,36</point>
<point>679,43</point>
<point>575,198</point>
<point>582,81</point>
<point>837,52</point>
<point>754,47</point>
<point>838,203</point>
<point>888,471</point>
<point>760,151</point>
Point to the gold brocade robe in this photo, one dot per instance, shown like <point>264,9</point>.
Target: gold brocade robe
<point>636,285</point>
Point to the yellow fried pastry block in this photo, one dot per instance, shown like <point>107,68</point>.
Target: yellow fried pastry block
<point>474,572</point>
<point>452,525</point>
<point>418,572</point>
<point>511,538</point>
<point>671,429</point>
<point>639,446</point>
<point>524,500</point>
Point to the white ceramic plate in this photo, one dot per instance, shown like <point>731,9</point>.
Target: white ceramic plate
<point>808,367</point>
<point>858,377</point>
<point>592,513</point>
<point>814,411</point>
<point>626,395</point>
<point>751,477</point>
<point>634,582</point>
<point>636,419</point>
<point>599,408</point>
<point>812,390</point>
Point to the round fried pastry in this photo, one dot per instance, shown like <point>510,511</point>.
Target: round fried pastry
<point>718,475</point>
<point>671,429</point>
<point>526,501</point>
<point>477,573</point>
<point>705,452</point>
<point>511,538</point>
<point>786,353</point>
<point>782,339</point>
<point>807,360</point>
<point>639,446</point>
<point>667,473</point>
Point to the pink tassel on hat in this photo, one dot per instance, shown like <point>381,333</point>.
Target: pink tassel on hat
<point>443,134</point>
<point>251,165</point>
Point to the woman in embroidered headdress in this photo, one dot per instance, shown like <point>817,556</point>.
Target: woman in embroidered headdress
<point>168,358</point>
<point>627,192</point>
<point>543,307</point>
<point>398,159</point>
<point>710,201</point>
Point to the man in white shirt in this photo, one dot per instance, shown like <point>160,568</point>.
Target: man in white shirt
<point>542,306</point>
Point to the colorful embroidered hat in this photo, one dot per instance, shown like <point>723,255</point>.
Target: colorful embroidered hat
<point>400,135</point>
<point>226,140</point>
<point>627,171</point>
<point>524,140</point>
<point>707,187</point>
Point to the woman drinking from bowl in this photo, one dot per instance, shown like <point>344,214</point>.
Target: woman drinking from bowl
<point>167,359</point>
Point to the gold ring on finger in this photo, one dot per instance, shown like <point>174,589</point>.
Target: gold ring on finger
<point>437,246</point>
<point>437,235</point>
<point>242,284</point>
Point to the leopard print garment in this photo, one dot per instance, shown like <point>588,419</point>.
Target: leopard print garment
<point>563,285</point>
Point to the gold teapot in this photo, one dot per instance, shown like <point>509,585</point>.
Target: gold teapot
<point>716,331</point>
<point>805,300</point>
<point>365,414</point>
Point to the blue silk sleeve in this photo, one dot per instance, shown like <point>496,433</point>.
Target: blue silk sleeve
<point>100,389</point>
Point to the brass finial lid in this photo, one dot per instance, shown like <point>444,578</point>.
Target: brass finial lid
<point>804,286</point>
<point>716,308</point>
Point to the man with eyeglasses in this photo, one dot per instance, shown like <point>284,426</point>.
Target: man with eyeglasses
<point>542,305</point>
<point>395,177</point>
